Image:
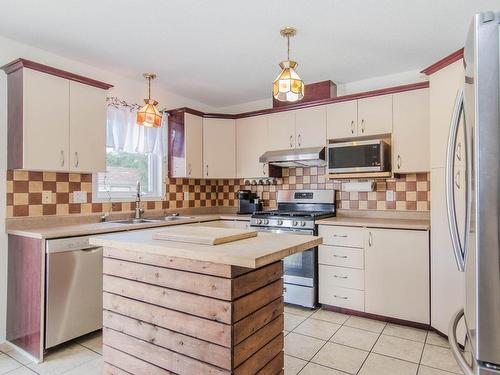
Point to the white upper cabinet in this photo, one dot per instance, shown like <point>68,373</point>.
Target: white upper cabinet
<point>375,115</point>
<point>444,87</point>
<point>185,145</point>
<point>54,123</point>
<point>45,128</point>
<point>310,127</point>
<point>410,146</point>
<point>397,274</point>
<point>251,143</point>
<point>358,118</point>
<point>281,130</point>
<point>219,148</point>
<point>87,128</point>
<point>342,119</point>
<point>193,138</point>
<point>300,128</point>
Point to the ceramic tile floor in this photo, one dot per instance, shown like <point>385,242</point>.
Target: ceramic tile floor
<point>316,343</point>
<point>327,343</point>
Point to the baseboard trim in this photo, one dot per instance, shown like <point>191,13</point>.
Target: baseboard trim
<point>382,318</point>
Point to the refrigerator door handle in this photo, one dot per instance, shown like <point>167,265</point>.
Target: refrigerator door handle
<point>452,338</point>
<point>450,204</point>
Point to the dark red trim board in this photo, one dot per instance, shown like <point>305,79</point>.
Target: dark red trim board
<point>24,63</point>
<point>313,92</point>
<point>444,62</point>
<point>361,95</point>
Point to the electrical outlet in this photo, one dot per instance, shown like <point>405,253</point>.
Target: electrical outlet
<point>389,195</point>
<point>46,197</point>
<point>186,195</point>
<point>79,197</point>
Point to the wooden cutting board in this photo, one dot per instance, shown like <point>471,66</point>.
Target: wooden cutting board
<point>203,235</point>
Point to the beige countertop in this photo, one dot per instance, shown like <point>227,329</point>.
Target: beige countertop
<point>253,252</point>
<point>378,222</point>
<point>82,229</point>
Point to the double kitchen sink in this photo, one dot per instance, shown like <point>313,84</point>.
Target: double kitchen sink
<point>133,221</point>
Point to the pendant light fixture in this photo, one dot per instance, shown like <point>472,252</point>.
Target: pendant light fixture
<point>288,87</point>
<point>148,115</point>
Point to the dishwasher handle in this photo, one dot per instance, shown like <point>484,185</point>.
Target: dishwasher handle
<point>61,245</point>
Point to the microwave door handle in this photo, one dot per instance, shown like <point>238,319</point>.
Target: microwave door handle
<point>450,204</point>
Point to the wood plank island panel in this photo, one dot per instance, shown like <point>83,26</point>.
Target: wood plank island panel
<point>167,317</point>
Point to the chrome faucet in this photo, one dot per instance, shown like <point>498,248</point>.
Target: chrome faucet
<point>138,210</point>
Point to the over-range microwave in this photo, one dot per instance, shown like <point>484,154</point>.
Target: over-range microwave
<point>359,156</point>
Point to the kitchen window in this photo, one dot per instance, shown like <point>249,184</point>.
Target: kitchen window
<point>133,153</point>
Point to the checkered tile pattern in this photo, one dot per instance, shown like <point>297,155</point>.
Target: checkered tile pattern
<point>412,191</point>
<point>24,192</point>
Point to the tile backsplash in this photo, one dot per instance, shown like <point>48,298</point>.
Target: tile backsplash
<point>24,192</point>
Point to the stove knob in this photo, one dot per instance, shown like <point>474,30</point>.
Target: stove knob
<point>266,221</point>
<point>259,221</point>
<point>303,223</point>
<point>280,222</point>
<point>295,223</point>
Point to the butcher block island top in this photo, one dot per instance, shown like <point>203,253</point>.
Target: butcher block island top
<point>253,252</point>
<point>193,309</point>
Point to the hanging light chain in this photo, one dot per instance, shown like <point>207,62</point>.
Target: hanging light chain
<point>149,87</point>
<point>288,47</point>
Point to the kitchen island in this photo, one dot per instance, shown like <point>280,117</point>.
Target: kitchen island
<point>173,307</point>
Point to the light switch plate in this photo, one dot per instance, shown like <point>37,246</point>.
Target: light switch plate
<point>186,195</point>
<point>79,197</point>
<point>46,197</point>
<point>389,195</point>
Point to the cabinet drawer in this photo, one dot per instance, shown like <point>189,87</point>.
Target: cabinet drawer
<point>342,277</point>
<point>342,297</point>
<point>342,256</point>
<point>342,236</point>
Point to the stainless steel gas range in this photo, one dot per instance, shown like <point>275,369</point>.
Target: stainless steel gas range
<point>297,213</point>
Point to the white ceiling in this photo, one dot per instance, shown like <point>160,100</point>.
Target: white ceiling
<point>226,52</point>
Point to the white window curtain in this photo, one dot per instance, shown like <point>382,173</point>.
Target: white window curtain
<point>123,133</point>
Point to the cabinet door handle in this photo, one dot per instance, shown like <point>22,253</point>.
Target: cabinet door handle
<point>339,297</point>
<point>299,139</point>
<point>340,256</point>
<point>190,169</point>
<point>457,180</point>
<point>264,169</point>
<point>399,161</point>
<point>291,140</point>
<point>340,277</point>
<point>207,170</point>
<point>370,239</point>
<point>77,160</point>
<point>62,158</point>
<point>352,127</point>
<point>362,126</point>
<point>459,151</point>
<point>340,235</point>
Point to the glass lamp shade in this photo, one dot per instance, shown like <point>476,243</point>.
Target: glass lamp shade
<point>148,115</point>
<point>288,87</point>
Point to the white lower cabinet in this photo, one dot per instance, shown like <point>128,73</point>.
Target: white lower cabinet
<point>381,271</point>
<point>333,295</point>
<point>397,274</point>
<point>342,256</point>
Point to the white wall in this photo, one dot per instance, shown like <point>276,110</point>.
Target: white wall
<point>342,89</point>
<point>132,91</point>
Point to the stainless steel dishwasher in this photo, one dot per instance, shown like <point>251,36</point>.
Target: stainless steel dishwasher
<point>73,298</point>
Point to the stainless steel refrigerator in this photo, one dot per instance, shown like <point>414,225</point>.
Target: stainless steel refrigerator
<point>473,197</point>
